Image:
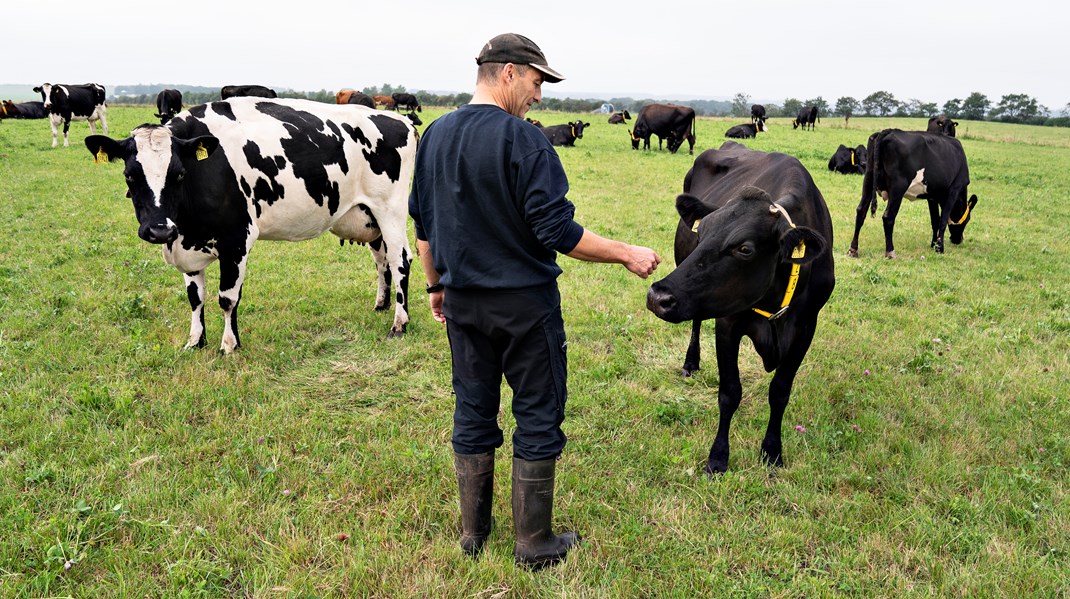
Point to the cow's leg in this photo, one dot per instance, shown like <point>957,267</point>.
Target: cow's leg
<point>66,128</point>
<point>729,393</point>
<point>694,351</point>
<point>934,220</point>
<point>890,212</point>
<point>231,278</point>
<point>398,256</point>
<point>860,219</point>
<point>196,292</point>
<point>104,120</point>
<point>780,392</point>
<point>52,120</point>
<point>383,274</point>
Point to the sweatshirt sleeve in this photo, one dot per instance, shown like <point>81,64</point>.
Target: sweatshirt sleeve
<point>546,209</point>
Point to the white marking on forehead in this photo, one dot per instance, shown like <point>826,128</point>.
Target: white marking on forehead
<point>917,186</point>
<point>154,156</point>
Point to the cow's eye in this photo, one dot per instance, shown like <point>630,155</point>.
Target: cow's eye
<point>745,250</point>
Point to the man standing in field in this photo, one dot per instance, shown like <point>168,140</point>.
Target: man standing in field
<point>488,200</point>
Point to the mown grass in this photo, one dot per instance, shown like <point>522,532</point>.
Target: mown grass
<point>316,461</point>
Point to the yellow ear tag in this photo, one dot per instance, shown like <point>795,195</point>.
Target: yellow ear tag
<point>694,227</point>
<point>102,156</point>
<point>202,153</point>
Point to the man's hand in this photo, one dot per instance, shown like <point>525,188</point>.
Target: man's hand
<point>641,261</point>
<point>435,299</point>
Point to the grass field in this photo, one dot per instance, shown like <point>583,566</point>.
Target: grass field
<point>927,443</point>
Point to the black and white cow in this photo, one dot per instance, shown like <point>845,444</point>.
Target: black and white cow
<point>752,251</point>
<point>168,104</point>
<point>919,166</point>
<point>66,103</point>
<point>807,117</point>
<point>565,135</point>
<point>259,91</point>
<point>745,130</point>
<point>848,161</point>
<point>220,176</point>
<point>942,125</point>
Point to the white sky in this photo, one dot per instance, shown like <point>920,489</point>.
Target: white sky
<point>769,49</point>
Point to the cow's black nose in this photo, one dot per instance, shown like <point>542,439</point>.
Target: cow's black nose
<point>161,233</point>
<point>659,302</point>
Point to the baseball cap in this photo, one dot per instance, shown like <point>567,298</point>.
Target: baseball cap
<point>517,49</point>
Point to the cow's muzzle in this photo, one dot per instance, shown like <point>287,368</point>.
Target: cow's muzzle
<point>662,303</point>
<point>158,233</point>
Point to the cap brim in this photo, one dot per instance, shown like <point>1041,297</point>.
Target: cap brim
<point>550,75</point>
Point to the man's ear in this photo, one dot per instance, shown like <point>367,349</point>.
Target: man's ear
<point>812,244</point>
<point>196,149</point>
<point>691,209</point>
<point>105,149</point>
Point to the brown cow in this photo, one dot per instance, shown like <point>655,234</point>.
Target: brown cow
<point>385,101</point>
<point>342,96</point>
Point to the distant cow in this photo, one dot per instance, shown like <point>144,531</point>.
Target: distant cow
<point>618,118</point>
<point>848,161</point>
<point>342,96</point>
<point>259,91</point>
<point>413,118</point>
<point>919,166</point>
<point>66,103</point>
<point>668,121</point>
<point>361,99</point>
<point>219,176</point>
<point>752,251</point>
<point>757,113</point>
<point>386,102</point>
<point>406,101</point>
<point>535,122</point>
<point>807,117</point>
<point>565,135</point>
<point>23,110</point>
<point>168,104</point>
<point>942,125</point>
<point>746,130</point>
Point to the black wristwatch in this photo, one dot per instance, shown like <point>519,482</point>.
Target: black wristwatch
<point>435,288</point>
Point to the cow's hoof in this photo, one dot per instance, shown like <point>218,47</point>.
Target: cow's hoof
<point>395,334</point>
<point>852,252</point>
<point>774,461</point>
<point>715,467</point>
<point>382,306</point>
<point>688,370</point>
<point>890,255</point>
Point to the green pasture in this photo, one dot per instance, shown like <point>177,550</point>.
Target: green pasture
<point>927,443</point>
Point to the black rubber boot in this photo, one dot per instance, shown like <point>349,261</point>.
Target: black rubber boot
<point>475,481</point>
<point>533,507</point>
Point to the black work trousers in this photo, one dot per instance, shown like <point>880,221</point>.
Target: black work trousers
<point>518,333</point>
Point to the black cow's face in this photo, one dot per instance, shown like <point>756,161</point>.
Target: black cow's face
<point>741,247</point>
<point>156,165</point>
<point>577,128</point>
<point>961,213</point>
<point>635,138</point>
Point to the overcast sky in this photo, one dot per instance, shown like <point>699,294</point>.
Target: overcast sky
<point>770,50</point>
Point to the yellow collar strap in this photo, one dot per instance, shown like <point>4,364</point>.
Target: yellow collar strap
<point>793,280</point>
<point>965,215</point>
<point>573,129</point>
<point>634,137</point>
<point>852,157</point>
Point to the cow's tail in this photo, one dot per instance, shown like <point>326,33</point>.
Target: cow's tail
<point>869,180</point>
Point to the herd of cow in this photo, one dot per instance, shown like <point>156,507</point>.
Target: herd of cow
<point>752,242</point>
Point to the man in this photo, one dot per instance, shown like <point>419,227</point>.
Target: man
<point>488,200</point>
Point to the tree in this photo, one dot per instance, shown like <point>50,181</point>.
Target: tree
<point>1066,109</point>
<point>975,106</point>
<point>846,105</point>
<point>791,107</point>
<point>741,105</point>
<point>880,103</point>
<point>953,108</point>
<point>822,105</point>
<point>1016,108</point>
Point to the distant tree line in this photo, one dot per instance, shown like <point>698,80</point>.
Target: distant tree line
<point>1011,108</point>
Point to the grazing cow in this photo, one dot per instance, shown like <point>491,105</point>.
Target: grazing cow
<point>757,113</point>
<point>807,117</point>
<point>23,110</point>
<point>618,118</point>
<point>848,161</point>
<point>406,101</point>
<point>942,125</point>
<point>752,251</point>
<point>565,135</point>
<point>919,166</point>
<point>259,91</point>
<point>386,102</point>
<point>669,121</point>
<point>168,104</point>
<point>65,103</point>
<point>745,130</point>
<point>219,176</point>
<point>535,122</point>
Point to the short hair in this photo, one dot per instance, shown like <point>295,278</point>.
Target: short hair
<point>488,71</point>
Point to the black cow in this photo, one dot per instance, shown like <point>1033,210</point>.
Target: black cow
<point>168,104</point>
<point>752,251</point>
<point>619,118</point>
<point>219,176</point>
<point>848,161</point>
<point>406,101</point>
<point>745,130</point>
<point>669,122</point>
<point>919,166</point>
<point>565,135</point>
<point>807,117</point>
<point>66,103</point>
<point>942,125</point>
<point>414,119</point>
<point>361,99</point>
<point>230,91</point>
<point>23,110</point>
<point>535,122</point>
<point>757,113</point>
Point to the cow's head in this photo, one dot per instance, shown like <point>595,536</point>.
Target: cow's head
<point>577,128</point>
<point>761,125</point>
<point>156,167</point>
<point>414,119</point>
<point>741,248</point>
<point>961,213</point>
<point>794,123</point>
<point>45,89</point>
<point>636,135</point>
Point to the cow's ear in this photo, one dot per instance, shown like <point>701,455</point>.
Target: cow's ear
<point>691,209</point>
<point>586,124</point>
<point>198,148</point>
<point>800,245</point>
<point>105,149</point>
